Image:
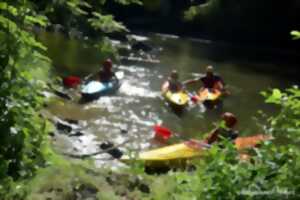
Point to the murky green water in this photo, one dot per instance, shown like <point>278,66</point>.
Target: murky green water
<point>137,106</point>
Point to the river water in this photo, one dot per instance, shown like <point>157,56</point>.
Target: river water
<point>138,105</point>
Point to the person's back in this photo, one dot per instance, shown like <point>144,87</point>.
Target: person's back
<point>211,81</point>
<point>106,74</point>
<point>174,84</point>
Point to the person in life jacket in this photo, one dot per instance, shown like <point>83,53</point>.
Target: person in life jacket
<point>106,74</point>
<point>174,85</point>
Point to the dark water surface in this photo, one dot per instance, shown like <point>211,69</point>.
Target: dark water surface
<point>138,105</point>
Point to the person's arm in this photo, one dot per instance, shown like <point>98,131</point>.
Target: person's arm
<point>219,86</point>
<point>191,81</point>
<point>213,136</point>
<point>91,76</point>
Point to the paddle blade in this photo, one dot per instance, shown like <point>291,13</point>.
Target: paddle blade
<point>162,132</point>
<point>71,81</point>
<point>120,75</point>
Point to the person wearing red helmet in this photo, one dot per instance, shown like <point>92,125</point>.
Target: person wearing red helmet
<point>106,74</point>
<point>226,130</point>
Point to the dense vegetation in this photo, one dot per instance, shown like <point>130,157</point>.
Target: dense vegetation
<point>24,73</point>
<point>272,172</point>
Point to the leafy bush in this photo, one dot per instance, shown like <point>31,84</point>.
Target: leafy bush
<point>23,131</point>
<point>83,15</point>
<point>287,122</point>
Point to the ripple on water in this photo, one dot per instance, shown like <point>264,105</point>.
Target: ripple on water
<point>131,90</point>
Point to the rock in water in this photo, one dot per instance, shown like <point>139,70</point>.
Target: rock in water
<point>114,152</point>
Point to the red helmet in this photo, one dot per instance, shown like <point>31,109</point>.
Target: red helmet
<point>107,64</point>
<point>230,119</point>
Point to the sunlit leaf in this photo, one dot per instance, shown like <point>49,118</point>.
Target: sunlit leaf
<point>40,20</point>
<point>295,34</point>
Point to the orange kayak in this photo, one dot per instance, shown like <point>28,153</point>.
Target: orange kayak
<point>208,95</point>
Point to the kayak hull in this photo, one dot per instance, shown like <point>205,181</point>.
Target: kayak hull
<point>95,89</point>
<point>178,155</point>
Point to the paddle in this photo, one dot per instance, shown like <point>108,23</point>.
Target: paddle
<point>193,97</point>
<point>58,93</point>
<point>71,81</point>
<point>119,75</point>
<point>162,132</point>
<point>165,134</point>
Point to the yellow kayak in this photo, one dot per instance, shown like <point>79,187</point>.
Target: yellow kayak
<point>170,152</point>
<point>172,155</point>
<point>180,98</point>
<point>178,154</point>
<point>177,98</point>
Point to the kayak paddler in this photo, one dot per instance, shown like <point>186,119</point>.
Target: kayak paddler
<point>174,85</point>
<point>225,130</point>
<point>106,74</point>
<point>210,81</point>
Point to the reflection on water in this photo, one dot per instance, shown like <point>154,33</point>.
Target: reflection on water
<point>137,106</point>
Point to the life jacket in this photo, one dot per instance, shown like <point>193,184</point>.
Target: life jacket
<point>174,85</point>
<point>211,82</point>
<point>229,134</point>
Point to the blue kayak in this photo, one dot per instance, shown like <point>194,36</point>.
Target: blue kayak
<point>94,89</point>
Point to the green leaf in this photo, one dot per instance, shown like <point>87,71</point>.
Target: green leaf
<point>275,97</point>
<point>295,35</point>
<point>38,19</point>
<point>105,23</point>
<point>127,2</point>
<point>12,10</point>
